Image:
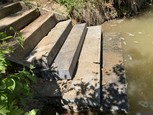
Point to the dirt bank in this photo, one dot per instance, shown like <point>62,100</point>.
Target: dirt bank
<point>93,12</point>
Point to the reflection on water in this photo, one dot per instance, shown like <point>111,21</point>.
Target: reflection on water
<point>137,40</point>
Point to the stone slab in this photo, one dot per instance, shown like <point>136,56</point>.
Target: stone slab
<point>10,9</point>
<point>18,20</point>
<point>114,80</point>
<point>32,35</point>
<point>85,87</point>
<point>67,58</point>
<point>49,46</point>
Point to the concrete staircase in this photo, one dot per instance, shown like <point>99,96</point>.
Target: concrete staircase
<point>67,59</point>
<point>47,41</point>
<point>67,56</point>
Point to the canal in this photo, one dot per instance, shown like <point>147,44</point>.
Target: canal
<point>136,35</point>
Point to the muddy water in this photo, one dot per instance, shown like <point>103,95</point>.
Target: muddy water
<point>136,35</point>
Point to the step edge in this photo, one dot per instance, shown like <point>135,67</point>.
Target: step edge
<point>19,18</point>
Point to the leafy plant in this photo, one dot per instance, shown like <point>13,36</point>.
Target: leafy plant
<point>15,87</point>
<point>14,91</point>
<point>4,49</point>
<point>27,3</point>
<point>71,4</point>
<point>17,36</point>
<point>32,112</point>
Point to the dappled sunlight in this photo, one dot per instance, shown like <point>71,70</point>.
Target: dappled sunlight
<point>114,94</point>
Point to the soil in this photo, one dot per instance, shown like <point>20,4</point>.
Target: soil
<point>50,5</point>
<point>89,14</point>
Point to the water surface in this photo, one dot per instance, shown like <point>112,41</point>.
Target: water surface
<point>137,41</point>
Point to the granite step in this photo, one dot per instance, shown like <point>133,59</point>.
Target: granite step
<point>86,83</point>
<point>32,34</point>
<point>49,46</point>
<point>9,9</point>
<point>67,58</point>
<point>18,20</point>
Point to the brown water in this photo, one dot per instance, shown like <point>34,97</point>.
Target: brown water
<point>137,41</point>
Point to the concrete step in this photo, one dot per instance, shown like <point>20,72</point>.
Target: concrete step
<point>10,9</point>
<point>67,58</point>
<point>84,89</point>
<point>32,34</point>
<point>49,46</point>
<point>114,78</point>
<point>86,83</point>
<point>18,20</point>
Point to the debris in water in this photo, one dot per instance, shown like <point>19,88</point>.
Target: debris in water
<point>138,113</point>
<point>144,104</point>
<point>151,106</point>
<point>124,42</point>
<point>130,58</point>
<point>113,25</point>
<point>122,38</point>
<point>133,20</point>
<point>136,42</point>
<point>130,34</point>
<point>139,32</point>
<point>110,39</point>
<point>119,21</point>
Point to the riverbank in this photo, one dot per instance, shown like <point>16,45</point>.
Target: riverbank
<point>92,12</point>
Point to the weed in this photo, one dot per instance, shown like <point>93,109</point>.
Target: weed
<point>15,87</point>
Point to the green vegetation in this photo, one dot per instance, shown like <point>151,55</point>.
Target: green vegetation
<point>14,87</point>
<point>28,4</point>
<point>101,10</point>
<point>72,4</point>
<point>89,11</point>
